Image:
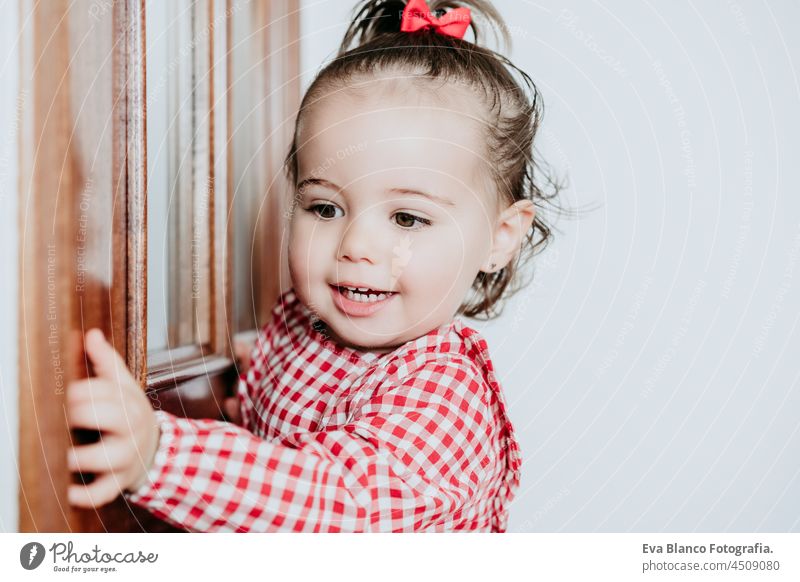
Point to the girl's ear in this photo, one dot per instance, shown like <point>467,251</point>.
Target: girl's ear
<point>510,229</point>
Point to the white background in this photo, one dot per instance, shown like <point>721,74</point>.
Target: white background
<point>651,369</point>
<point>355,557</point>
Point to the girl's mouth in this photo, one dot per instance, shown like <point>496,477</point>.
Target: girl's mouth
<point>360,304</point>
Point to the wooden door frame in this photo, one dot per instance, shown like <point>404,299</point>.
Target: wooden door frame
<point>69,205</point>
<point>83,235</point>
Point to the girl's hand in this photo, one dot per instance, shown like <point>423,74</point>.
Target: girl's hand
<point>113,403</point>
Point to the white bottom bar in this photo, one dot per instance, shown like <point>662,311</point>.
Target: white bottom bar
<point>418,557</point>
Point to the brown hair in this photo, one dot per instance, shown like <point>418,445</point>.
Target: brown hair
<point>373,43</point>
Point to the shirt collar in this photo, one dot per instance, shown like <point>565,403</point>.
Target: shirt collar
<point>440,338</point>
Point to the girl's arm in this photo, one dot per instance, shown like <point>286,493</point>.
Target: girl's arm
<point>415,457</point>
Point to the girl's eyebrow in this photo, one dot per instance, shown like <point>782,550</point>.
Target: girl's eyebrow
<point>408,191</point>
<point>433,197</point>
<point>318,182</point>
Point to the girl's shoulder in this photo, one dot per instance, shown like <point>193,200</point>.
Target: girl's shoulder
<point>455,342</point>
<point>455,361</point>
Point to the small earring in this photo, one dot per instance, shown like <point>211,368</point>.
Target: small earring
<point>494,265</point>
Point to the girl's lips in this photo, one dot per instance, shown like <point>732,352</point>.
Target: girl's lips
<point>357,308</point>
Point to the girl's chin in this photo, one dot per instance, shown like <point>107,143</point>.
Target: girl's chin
<point>358,337</point>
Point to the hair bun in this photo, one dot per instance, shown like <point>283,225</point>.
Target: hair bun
<point>374,18</point>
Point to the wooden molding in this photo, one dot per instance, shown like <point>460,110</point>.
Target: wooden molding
<point>131,24</point>
<point>72,183</point>
<point>283,66</point>
<point>201,367</point>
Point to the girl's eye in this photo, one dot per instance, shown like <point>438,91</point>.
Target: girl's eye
<point>325,212</point>
<point>409,220</point>
<point>403,219</point>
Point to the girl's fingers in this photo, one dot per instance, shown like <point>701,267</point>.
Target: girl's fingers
<point>88,390</point>
<point>106,360</point>
<point>100,457</point>
<point>97,415</point>
<point>104,489</point>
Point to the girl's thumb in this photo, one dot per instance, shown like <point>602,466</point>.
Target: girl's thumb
<point>104,357</point>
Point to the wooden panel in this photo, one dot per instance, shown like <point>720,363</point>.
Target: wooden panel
<point>266,96</point>
<point>221,205</point>
<point>283,64</point>
<point>72,183</point>
<point>190,29</point>
<point>248,139</point>
<point>191,199</point>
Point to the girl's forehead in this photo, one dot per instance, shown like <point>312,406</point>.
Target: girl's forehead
<point>418,152</point>
<point>402,122</point>
<point>387,131</point>
<point>388,98</point>
<point>362,142</point>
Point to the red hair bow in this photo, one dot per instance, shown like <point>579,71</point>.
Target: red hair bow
<point>417,15</point>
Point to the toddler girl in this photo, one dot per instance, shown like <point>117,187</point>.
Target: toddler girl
<point>368,404</point>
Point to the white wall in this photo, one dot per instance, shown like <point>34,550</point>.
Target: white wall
<point>650,369</point>
<point>322,26</point>
<point>10,105</point>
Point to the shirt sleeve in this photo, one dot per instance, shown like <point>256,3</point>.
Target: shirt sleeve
<point>254,373</point>
<point>413,459</point>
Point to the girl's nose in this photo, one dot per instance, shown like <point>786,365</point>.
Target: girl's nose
<point>359,240</point>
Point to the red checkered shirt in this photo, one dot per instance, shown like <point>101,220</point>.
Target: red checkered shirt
<point>336,439</point>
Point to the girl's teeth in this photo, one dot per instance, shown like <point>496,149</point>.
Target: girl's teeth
<point>363,297</point>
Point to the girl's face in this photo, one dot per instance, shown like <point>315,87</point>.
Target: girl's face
<point>391,196</point>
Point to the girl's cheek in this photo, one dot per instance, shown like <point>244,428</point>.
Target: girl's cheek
<point>452,248</point>
<point>302,231</point>
<point>298,251</point>
<point>438,260</point>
